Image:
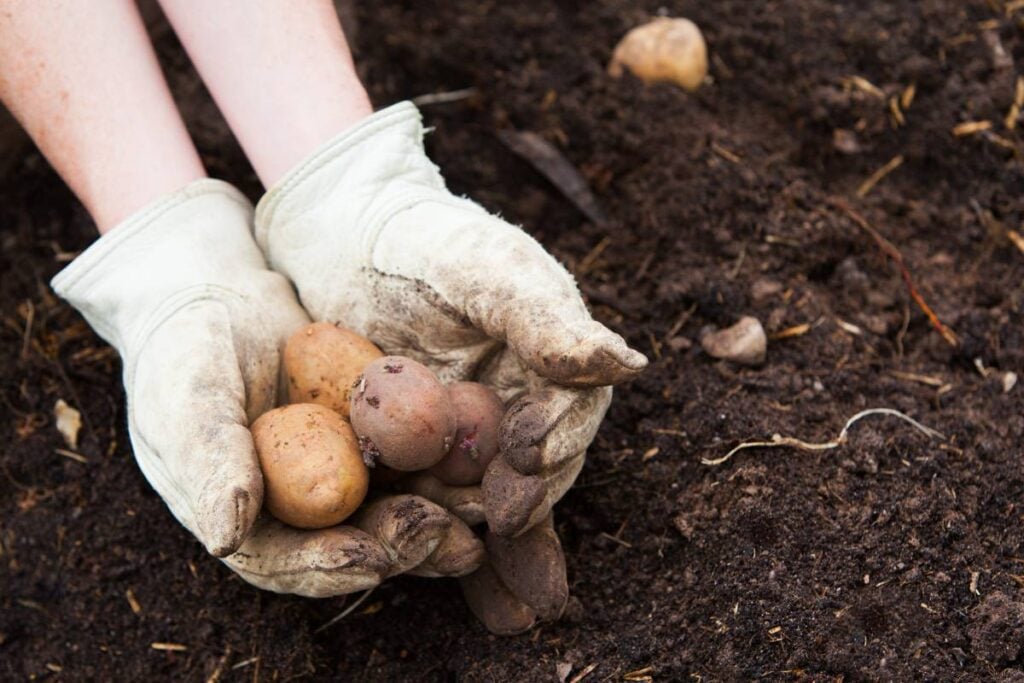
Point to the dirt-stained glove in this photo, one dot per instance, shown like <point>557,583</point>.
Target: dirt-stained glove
<point>372,240</point>
<point>183,293</point>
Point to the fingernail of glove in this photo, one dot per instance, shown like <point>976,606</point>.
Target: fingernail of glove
<point>605,358</point>
<point>510,497</point>
<point>600,358</point>
<point>226,519</point>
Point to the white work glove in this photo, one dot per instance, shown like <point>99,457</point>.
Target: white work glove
<point>373,241</point>
<point>182,292</point>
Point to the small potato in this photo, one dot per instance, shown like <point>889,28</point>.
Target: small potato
<point>313,472</point>
<point>322,361</point>
<point>665,49</point>
<point>478,412</point>
<point>402,414</point>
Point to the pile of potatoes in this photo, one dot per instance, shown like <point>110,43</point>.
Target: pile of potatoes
<point>351,408</point>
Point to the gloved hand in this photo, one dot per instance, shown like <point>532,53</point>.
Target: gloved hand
<point>183,293</point>
<point>372,240</point>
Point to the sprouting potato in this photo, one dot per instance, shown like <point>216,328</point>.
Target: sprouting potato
<point>402,414</point>
<point>478,413</point>
<point>313,472</point>
<point>665,49</point>
<point>322,361</point>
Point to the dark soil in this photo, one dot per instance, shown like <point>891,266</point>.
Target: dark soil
<point>894,557</point>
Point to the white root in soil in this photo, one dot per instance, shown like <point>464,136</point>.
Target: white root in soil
<point>779,441</point>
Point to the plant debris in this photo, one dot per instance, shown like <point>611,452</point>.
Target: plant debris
<point>893,253</point>
<point>553,165</point>
<point>791,442</point>
<point>69,422</point>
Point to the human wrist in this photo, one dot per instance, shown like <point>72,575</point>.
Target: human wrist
<point>311,129</point>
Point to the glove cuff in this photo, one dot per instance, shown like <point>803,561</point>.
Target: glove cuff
<point>349,173</point>
<point>162,248</point>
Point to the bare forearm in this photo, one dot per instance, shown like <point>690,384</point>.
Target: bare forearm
<point>85,84</point>
<point>280,71</point>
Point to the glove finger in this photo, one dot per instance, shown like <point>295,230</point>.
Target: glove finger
<point>511,498</point>
<point>408,528</point>
<point>506,284</point>
<point>543,440</point>
<point>465,502</point>
<point>315,563</point>
<point>188,412</point>
<point>549,425</point>
<point>532,567</point>
<point>500,611</point>
<point>515,502</point>
<point>458,554</point>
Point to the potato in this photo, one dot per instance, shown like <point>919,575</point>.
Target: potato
<point>322,361</point>
<point>313,472</point>
<point>478,413</point>
<point>665,49</point>
<point>402,414</point>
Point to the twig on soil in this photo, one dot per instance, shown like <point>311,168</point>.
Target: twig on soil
<point>26,340</point>
<point>849,328</point>
<point>443,97</point>
<point>877,176</point>
<point>1018,101</point>
<point>219,670</point>
<point>794,331</point>
<point>791,442</point>
<point>169,647</point>
<point>71,455</point>
<point>347,611</point>
<point>588,261</point>
<point>133,602</point>
<point>244,663</point>
<point>726,153</point>
<point>893,253</point>
<point>921,379</point>
<point>901,335</point>
<point>553,165</point>
<point>616,539</point>
<point>640,675</point>
<point>907,98</point>
<point>583,674</point>
<point>970,128</point>
<point>866,86</point>
<point>670,432</point>
<point>1016,238</point>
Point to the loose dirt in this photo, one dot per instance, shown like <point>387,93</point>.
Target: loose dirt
<point>894,557</point>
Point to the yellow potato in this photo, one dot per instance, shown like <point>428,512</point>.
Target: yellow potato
<point>665,49</point>
<point>313,472</point>
<point>322,361</point>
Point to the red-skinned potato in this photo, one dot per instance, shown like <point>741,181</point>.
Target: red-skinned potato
<point>322,361</point>
<point>313,472</point>
<point>478,412</point>
<point>402,414</point>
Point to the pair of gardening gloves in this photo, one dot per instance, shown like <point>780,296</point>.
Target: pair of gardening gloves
<point>198,294</point>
